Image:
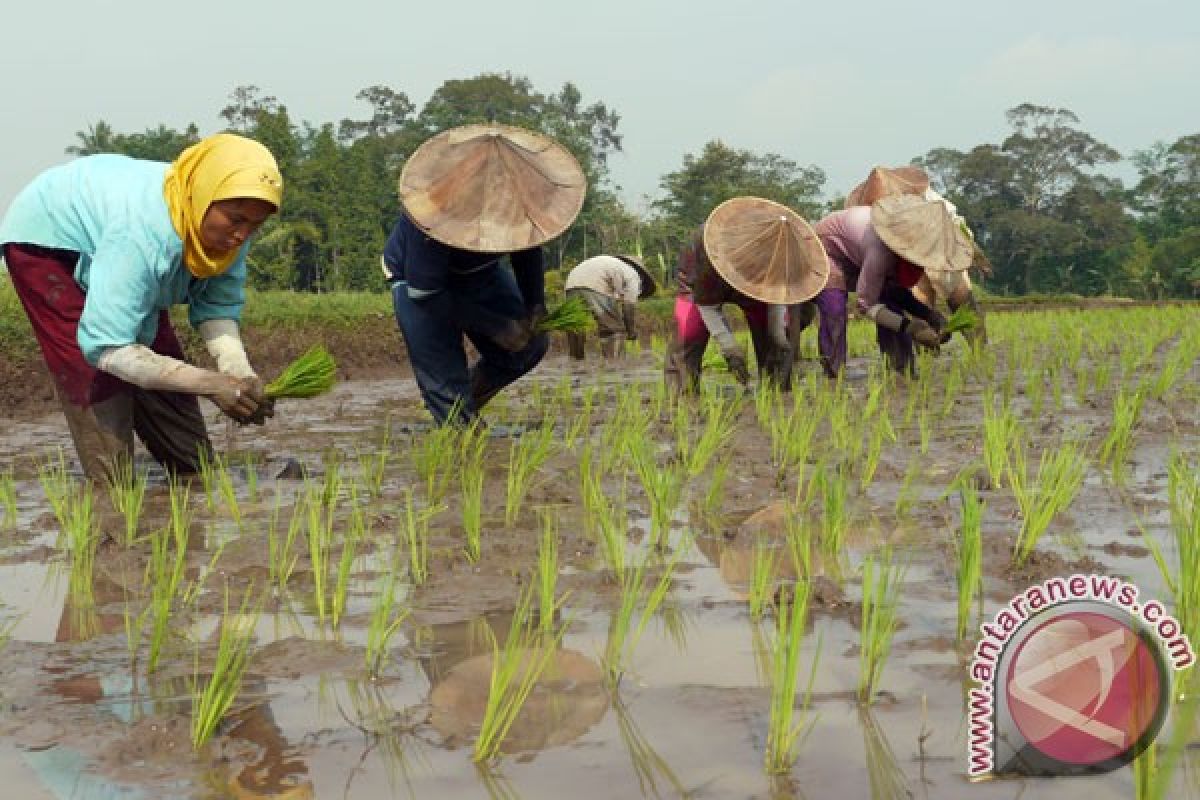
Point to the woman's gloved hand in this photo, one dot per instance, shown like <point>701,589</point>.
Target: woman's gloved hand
<point>242,399</point>
<point>924,334</point>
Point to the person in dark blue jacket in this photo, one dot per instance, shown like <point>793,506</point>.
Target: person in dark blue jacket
<point>475,198</point>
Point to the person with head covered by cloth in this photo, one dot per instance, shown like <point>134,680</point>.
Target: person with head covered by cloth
<point>882,251</point>
<point>762,257</point>
<point>98,249</point>
<point>471,196</point>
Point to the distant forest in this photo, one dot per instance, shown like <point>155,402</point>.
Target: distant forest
<point>1038,202</point>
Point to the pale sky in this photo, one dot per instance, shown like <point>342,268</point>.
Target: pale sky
<point>843,85</point>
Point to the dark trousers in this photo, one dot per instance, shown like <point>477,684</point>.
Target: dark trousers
<point>433,331</point>
<point>103,411</point>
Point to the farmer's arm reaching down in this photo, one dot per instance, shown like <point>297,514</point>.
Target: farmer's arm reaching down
<point>137,364</point>
<point>718,327</point>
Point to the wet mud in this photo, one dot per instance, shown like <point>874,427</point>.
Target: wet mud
<point>687,718</point>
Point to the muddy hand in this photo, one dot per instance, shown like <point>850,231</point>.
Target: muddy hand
<point>266,405</point>
<point>923,334</point>
<point>239,398</point>
<point>514,336</point>
<point>737,366</point>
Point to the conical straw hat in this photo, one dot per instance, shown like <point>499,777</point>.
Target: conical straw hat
<point>765,250</point>
<point>888,181</point>
<point>922,232</point>
<point>492,188</point>
<point>649,285</point>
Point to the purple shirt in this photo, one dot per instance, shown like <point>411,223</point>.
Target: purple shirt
<point>856,254</point>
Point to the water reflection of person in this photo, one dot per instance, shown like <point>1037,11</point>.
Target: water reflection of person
<point>67,771</point>
<point>568,700</point>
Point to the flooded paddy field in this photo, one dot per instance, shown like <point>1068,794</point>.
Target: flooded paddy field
<point>641,551</point>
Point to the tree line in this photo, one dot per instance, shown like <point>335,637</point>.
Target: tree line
<point>1041,203</point>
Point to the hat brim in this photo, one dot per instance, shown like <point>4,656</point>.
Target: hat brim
<point>766,251</point>
<point>492,188</point>
<point>922,232</point>
<point>649,285</point>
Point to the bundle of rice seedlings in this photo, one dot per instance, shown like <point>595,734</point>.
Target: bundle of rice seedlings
<point>308,376</point>
<point>571,317</point>
<point>963,319</point>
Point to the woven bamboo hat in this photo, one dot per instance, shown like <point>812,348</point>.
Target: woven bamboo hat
<point>888,181</point>
<point>922,232</point>
<point>649,286</point>
<point>492,188</point>
<point>765,250</point>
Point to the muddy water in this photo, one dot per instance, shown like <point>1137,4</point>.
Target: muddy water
<point>78,718</point>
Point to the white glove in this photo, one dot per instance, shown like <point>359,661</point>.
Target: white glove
<point>224,342</point>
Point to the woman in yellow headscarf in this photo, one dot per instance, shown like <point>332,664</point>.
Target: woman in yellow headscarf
<point>98,249</point>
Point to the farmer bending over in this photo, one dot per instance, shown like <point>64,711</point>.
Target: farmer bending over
<point>98,249</point>
<point>762,257</point>
<point>472,195</point>
<point>883,251</point>
<point>611,287</point>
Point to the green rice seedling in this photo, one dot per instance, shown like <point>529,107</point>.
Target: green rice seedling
<point>879,432</point>
<point>881,582</point>
<point>1001,433</point>
<point>1056,385</point>
<point>909,492</point>
<point>311,374</point>
<point>925,429</point>
<point>721,416</point>
<point>385,621</point>
<point>319,536</point>
<point>57,485</point>
<point>952,388</point>
<point>1114,452</point>
<point>526,456</point>
<point>372,466</point>
<point>1035,390</point>
<point>962,320</point>
<point>762,578</point>
<point>472,476</point>
<point>786,731</point>
<point>416,535</point>
<point>126,492</point>
<point>250,470</point>
<point>1176,365</point>
<point>1154,772</point>
<point>208,479</point>
<point>1101,375</point>
<point>516,669</point>
<point>607,518</point>
<point>1183,492</point>
<point>82,539</point>
<point>164,575</point>
<point>547,569</point>
<point>663,486</point>
<point>835,521</point>
<point>791,441</point>
<point>331,486</point>
<point>714,492</point>
<point>8,496</point>
<point>969,552</point>
<point>571,316</point>
<point>358,531</point>
<point>623,635</point>
<point>1060,474</point>
<point>226,489</point>
<point>281,555</point>
<point>213,699</point>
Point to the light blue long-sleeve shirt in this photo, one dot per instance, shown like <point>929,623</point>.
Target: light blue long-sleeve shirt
<point>110,209</point>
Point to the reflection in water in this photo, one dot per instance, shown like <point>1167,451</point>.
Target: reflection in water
<point>390,733</point>
<point>887,780</point>
<point>648,765</point>
<point>564,704</point>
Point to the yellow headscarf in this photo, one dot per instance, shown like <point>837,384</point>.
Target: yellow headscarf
<point>220,167</point>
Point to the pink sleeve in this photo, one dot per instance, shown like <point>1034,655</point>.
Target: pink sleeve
<point>878,264</point>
